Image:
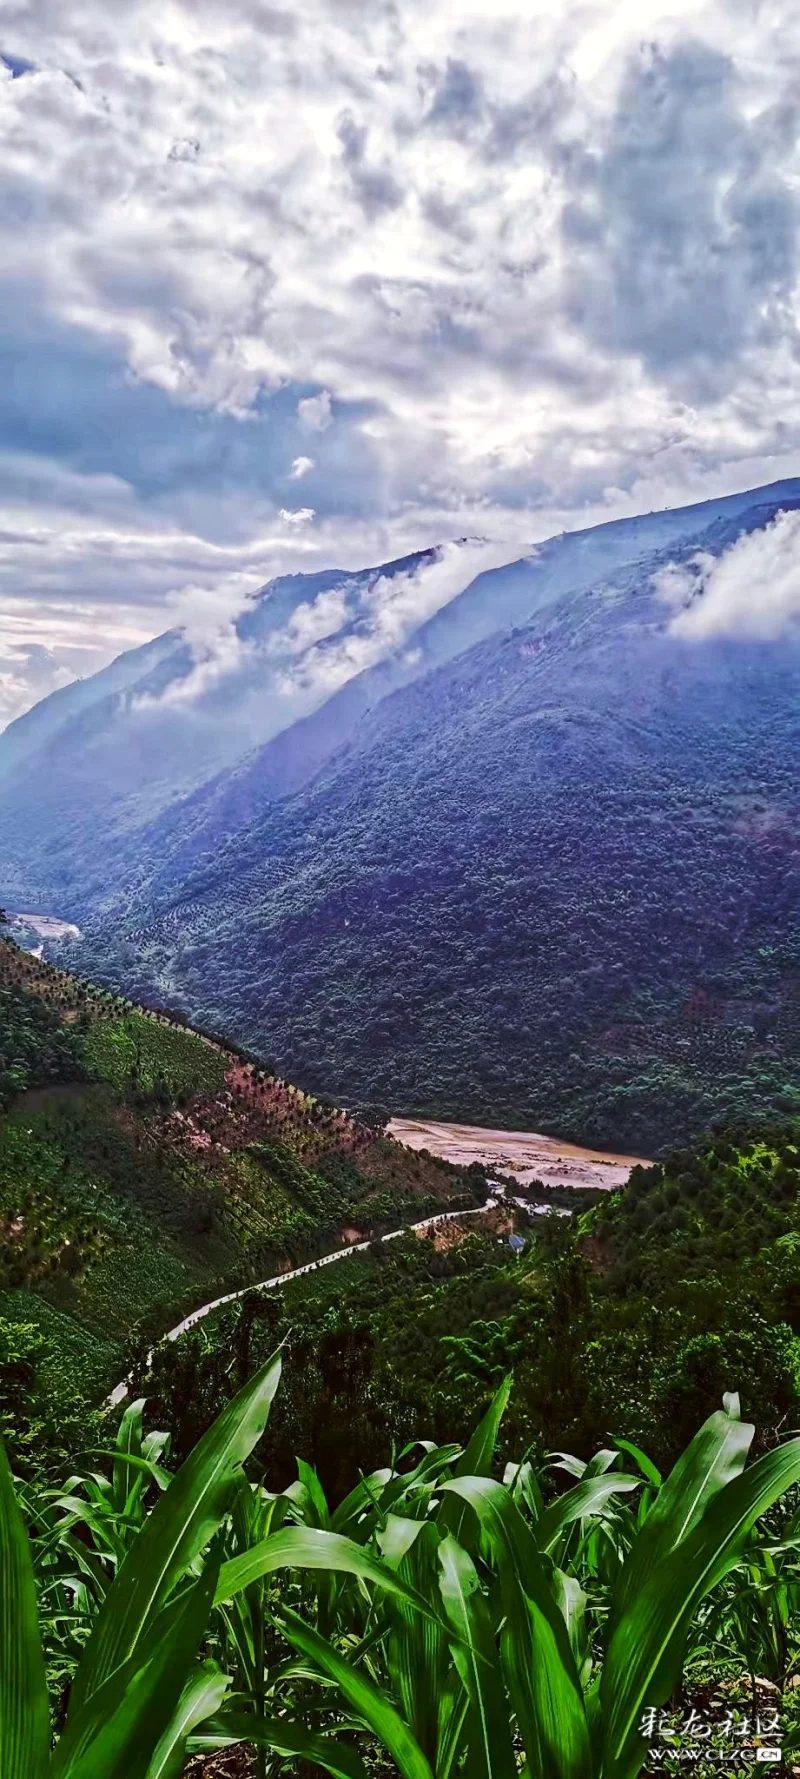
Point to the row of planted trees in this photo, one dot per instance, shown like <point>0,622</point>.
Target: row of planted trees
<point>440,1620</point>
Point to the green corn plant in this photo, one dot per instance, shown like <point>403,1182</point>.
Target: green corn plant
<point>483,1649</point>
<point>134,1695</point>
<point>461,1622</point>
<point>81,1533</point>
<point>754,1620</point>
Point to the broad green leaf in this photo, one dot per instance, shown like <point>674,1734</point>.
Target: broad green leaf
<point>203,1695</point>
<point>365,1699</point>
<point>129,1440</point>
<point>103,1524</point>
<point>713,1458</point>
<point>360,1498</point>
<point>646,1645</point>
<point>292,1740</point>
<point>537,1656</point>
<point>646,1465</point>
<point>307,1547</point>
<point>396,1538</point>
<point>565,1461</point>
<point>422,1480</point>
<point>315,1493</point>
<point>476,1460</point>
<point>24,1712</point>
<point>145,1465</point>
<point>586,1501</point>
<point>418,1652</point>
<point>475,1656</point>
<point>524,1485</point>
<point>600,1463</point>
<point>571,1601</point>
<point>178,1529</point>
<point>115,1734</point>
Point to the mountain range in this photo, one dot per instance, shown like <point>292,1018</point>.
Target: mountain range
<point>530,858</point>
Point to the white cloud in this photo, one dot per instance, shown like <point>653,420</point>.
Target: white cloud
<point>353,628</point>
<point>26,670</point>
<point>206,616</point>
<point>751,591</point>
<point>297,516</point>
<point>313,620</point>
<point>538,274</point>
<point>315,412</point>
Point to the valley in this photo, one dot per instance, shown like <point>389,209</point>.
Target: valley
<point>174,1211</point>
<point>538,871</point>
<point>399,890</point>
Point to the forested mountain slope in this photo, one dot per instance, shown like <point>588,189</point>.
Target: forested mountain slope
<point>155,736</point>
<point>142,1166</point>
<point>637,1314</point>
<point>84,770</point>
<point>553,883</point>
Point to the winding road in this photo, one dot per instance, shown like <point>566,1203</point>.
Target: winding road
<point>285,1278</point>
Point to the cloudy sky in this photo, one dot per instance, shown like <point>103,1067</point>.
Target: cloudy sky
<point>289,287</point>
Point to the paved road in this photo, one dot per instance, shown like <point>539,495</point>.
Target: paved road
<point>285,1278</point>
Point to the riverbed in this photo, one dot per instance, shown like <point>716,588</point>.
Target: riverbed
<point>523,1153</point>
<point>46,926</point>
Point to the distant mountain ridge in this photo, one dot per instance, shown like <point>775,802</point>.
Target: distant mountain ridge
<point>538,867</point>
<point>104,757</point>
<point>115,749</point>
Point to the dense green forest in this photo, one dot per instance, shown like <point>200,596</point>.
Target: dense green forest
<point>553,885</point>
<point>144,1169</point>
<point>636,1316</point>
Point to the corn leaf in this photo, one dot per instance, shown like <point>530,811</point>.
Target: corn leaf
<point>365,1699</point>
<point>476,1459</point>
<point>713,1458</point>
<point>537,1656</point>
<point>646,1643</point>
<point>308,1547</point>
<point>418,1653</point>
<point>178,1529</point>
<point>202,1696</point>
<point>24,1713</point>
<point>586,1501</point>
<point>360,1498</point>
<point>475,1656</point>
<point>115,1734</point>
<point>291,1740</point>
